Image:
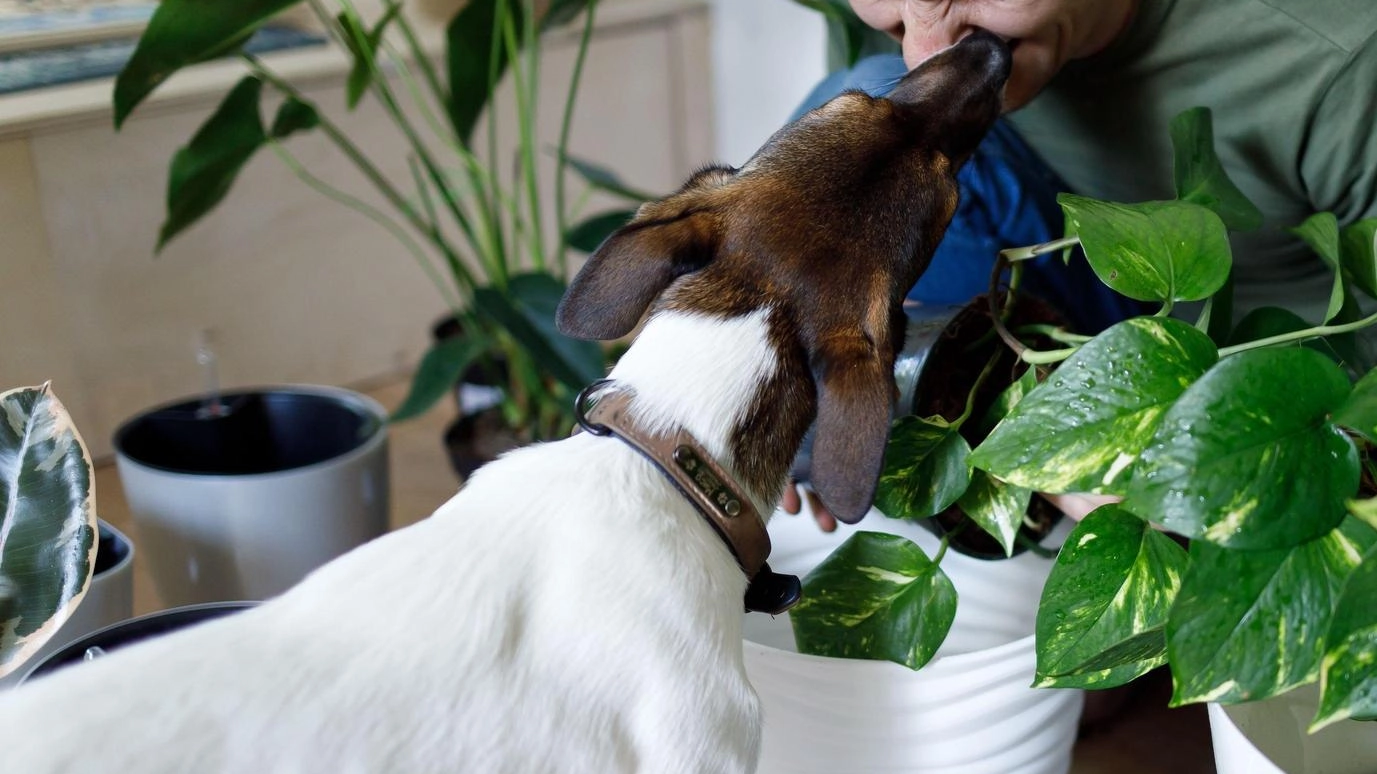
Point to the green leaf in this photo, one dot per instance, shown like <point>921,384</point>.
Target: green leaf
<point>997,507</point>
<point>293,116</point>
<point>363,46</point>
<point>1321,232</point>
<point>924,470</point>
<point>1358,254</point>
<point>591,233</point>
<point>185,32</point>
<point>204,169</point>
<point>877,596</point>
<point>1268,321</point>
<point>47,521</point>
<point>1201,179</point>
<point>1250,624</point>
<point>1153,251</point>
<point>1359,412</point>
<point>1348,681</point>
<point>1101,618</point>
<point>1081,429</point>
<point>1218,313</point>
<point>604,179</point>
<point>440,369</point>
<point>477,59</point>
<point>1006,401</point>
<point>1245,464</point>
<point>527,311</point>
<point>1364,510</point>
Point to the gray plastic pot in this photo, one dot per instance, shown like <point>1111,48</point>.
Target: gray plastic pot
<point>242,505</point>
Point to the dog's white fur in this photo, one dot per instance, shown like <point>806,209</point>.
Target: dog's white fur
<point>567,611</point>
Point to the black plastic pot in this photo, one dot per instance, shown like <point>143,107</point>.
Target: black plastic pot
<point>134,630</point>
<point>478,435</point>
<point>251,432</point>
<point>944,352</point>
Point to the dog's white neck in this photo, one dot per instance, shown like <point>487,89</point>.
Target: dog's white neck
<point>701,374</point>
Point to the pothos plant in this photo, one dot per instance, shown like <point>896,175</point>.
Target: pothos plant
<point>1241,550</point>
<point>474,226</point>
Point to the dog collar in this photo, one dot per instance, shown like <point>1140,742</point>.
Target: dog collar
<point>705,484</point>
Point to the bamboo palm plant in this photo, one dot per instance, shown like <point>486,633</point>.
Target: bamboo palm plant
<point>476,228</point>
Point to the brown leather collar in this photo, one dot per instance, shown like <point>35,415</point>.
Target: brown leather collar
<point>705,484</point>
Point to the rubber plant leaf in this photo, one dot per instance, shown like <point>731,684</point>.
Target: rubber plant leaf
<point>1082,428</point>
<point>1321,232</point>
<point>1358,253</point>
<point>1201,179</point>
<point>1102,618</point>
<point>1245,465</point>
<point>440,369</point>
<point>1348,683</point>
<point>1250,624</point>
<point>879,597</point>
<point>591,233</point>
<point>185,32</point>
<point>47,521</point>
<point>363,47</point>
<point>605,180</point>
<point>526,309</point>
<point>204,169</point>
<point>1152,251</point>
<point>924,469</point>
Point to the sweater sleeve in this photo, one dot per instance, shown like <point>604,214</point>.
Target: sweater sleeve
<point>1339,158</point>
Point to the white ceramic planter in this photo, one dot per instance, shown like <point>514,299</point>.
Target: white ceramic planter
<point>243,510</point>
<point>108,600</point>
<point>969,711</point>
<point>1269,737</point>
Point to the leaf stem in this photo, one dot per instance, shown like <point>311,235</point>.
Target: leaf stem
<point>1046,357</point>
<point>1016,254</point>
<point>1294,336</point>
<point>1055,333</point>
<point>373,214</point>
<point>393,109</point>
<point>565,128</point>
<point>463,279</point>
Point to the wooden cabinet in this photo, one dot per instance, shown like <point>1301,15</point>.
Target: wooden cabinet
<point>290,286</point>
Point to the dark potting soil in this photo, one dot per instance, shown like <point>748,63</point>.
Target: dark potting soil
<point>953,366</point>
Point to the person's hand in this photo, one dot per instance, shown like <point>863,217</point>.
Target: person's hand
<point>1078,506</point>
<point>792,502</point>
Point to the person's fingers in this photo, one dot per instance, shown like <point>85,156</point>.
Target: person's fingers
<point>826,521</point>
<point>1078,506</point>
<point>790,502</point>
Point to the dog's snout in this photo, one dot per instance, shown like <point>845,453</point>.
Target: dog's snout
<point>985,50</point>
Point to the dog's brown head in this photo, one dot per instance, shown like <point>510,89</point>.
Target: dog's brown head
<point>828,225</point>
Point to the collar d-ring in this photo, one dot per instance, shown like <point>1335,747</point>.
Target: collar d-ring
<point>587,397</point>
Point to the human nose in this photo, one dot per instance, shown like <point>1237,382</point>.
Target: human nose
<point>928,26</point>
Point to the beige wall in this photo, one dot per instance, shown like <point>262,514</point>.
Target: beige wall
<point>292,287</point>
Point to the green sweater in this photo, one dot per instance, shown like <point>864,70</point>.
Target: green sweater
<point>1293,88</point>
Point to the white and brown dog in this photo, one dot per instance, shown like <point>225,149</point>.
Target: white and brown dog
<point>570,610</point>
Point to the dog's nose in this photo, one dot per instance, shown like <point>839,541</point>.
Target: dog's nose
<point>983,47</point>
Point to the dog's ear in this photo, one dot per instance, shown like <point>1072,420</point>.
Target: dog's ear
<point>855,402</point>
<point>614,288</point>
